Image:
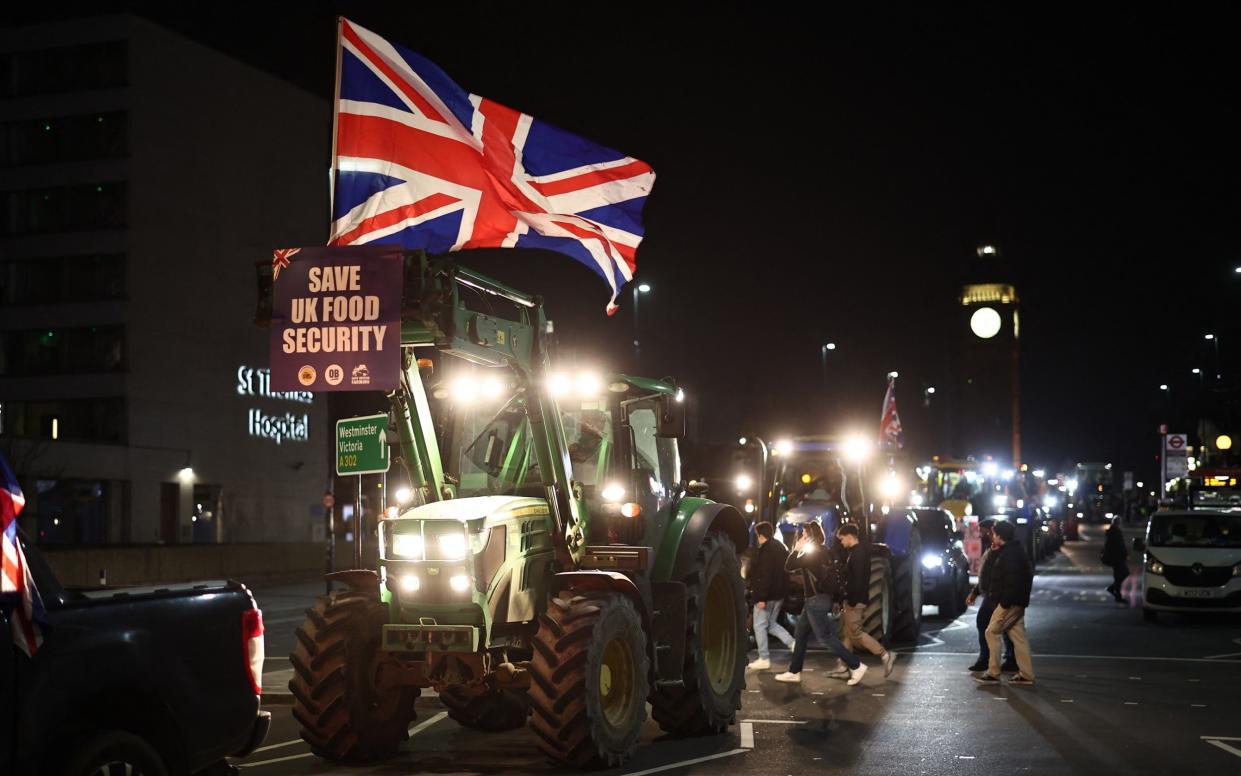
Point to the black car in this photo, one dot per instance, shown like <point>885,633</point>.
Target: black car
<point>945,569</point>
<point>158,681</point>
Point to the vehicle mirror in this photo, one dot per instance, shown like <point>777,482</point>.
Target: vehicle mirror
<point>493,453</point>
<point>671,416</point>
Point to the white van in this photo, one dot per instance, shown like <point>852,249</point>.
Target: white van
<point>1193,563</point>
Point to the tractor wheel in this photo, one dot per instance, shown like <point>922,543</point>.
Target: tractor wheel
<point>907,582</point>
<point>877,617</point>
<point>343,716</point>
<point>491,710</point>
<point>589,679</point>
<point>714,672</point>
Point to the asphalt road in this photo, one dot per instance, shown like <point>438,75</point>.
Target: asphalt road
<point>1114,695</point>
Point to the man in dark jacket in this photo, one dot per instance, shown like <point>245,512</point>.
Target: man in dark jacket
<point>1010,582</point>
<point>1116,556</point>
<point>768,582</point>
<point>857,595</point>
<point>986,530</point>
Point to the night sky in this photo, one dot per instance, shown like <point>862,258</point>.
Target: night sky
<point>827,178</point>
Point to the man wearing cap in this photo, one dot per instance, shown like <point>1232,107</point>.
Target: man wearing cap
<point>1011,579</point>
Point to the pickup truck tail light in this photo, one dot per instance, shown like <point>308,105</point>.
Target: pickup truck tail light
<point>252,645</point>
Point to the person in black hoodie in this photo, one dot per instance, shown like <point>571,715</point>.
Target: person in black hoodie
<point>822,576</point>
<point>1116,556</point>
<point>768,582</point>
<point>1010,582</point>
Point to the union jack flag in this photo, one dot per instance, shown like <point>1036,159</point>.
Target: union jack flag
<point>890,433</point>
<point>424,164</point>
<point>16,584</point>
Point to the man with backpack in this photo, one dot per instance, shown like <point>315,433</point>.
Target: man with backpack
<point>768,582</point>
<point>822,575</point>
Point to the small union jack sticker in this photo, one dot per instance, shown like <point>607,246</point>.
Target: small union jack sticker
<point>280,260</point>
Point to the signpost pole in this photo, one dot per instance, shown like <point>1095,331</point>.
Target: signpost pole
<point>329,549</point>
<point>357,526</point>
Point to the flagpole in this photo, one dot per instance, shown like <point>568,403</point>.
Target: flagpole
<point>331,177</point>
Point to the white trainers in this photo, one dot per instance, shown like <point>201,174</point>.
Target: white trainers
<point>789,677</point>
<point>840,671</point>
<point>856,674</point>
<point>889,660</point>
<point>758,665</point>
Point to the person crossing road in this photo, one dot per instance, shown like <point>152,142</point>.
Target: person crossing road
<point>768,582</point>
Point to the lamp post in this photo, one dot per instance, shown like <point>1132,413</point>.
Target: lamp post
<point>823,358</point>
<point>1214,340</point>
<point>638,290</point>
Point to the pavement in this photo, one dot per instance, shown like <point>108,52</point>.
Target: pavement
<point>1114,694</point>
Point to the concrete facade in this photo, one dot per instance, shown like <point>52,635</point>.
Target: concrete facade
<point>222,164</point>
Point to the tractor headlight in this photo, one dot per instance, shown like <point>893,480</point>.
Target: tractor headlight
<point>999,500</point>
<point>452,546</point>
<point>410,583</point>
<point>459,583</point>
<point>743,482</point>
<point>932,561</point>
<point>407,545</point>
<point>613,493</point>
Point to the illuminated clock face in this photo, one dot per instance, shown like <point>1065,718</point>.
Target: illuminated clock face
<point>985,322</point>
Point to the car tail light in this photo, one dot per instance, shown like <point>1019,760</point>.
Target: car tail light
<point>252,645</point>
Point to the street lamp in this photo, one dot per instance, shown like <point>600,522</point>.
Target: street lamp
<point>1214,340</point>
<point>639,289</point>
<point>823,360</point>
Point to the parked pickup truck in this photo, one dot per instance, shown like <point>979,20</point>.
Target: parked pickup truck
<point>151,681</point>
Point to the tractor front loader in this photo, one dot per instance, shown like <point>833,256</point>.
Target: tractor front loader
<point>554,569</point>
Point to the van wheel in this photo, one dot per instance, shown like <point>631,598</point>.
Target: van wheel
<point>114,753</point>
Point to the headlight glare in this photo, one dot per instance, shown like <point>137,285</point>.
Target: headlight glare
<point>1154,566</point>
<point>410,583</point>
<point>407,545</point>
<point>452,546</point>
<point>932,561</point>
<point>459,583</point>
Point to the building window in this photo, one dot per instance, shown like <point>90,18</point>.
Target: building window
<point>64,139</point>
<point>71,511</point>
<point>63,279</point>
<point>64,208</point>
<point>66,69</point>
<point>68,420</point>
<point>62,351</point>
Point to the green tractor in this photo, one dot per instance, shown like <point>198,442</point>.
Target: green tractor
<point>554,570</point>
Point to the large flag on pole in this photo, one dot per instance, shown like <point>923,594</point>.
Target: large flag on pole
<point>419,162</point>
<point>890,433</point>
<point>16,584</point>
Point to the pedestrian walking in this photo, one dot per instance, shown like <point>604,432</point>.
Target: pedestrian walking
<point>768,582</point>
<point>989,601</point>
<point>856,554</point>
<point>1116,556</point>
<point>1012,577</point>
<point>823,579</point>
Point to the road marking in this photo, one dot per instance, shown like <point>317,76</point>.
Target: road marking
<point>965,757</point>
<point>421,726</point>
<point>1091,657</point>
<point>1219,742</point>
<point>997,698</point>
<point>1220,738</point>
<point>412,732</point>
<point>1131,703</point>
<point>747,735</point>
<point>277,746</point>
<point>877,694</point>
<point>772,722</point>
<point>1138,678</point>
<point>1066,700</point>
<point>816,693</point>
<point>685,763</point>
<point>1197,705</point>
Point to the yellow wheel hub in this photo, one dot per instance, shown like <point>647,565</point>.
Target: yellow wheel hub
<point>719,635</point>
<point>616,683</point>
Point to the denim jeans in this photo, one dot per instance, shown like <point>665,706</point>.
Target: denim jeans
<point>985,610</point>
<point>817,616</point>
<point>766,620</point>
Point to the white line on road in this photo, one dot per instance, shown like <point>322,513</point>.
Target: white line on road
<point>1221,738</point>
<point>1226,747</point>
<point>421,726</point>
<point>776,722</point>
<point>278,746</point>
<point>277,760</point>
<point>412,732</point>
<point>747,735</point>
<point>1089,657</point>
<point>1131,703</point>
<point>685,763</point>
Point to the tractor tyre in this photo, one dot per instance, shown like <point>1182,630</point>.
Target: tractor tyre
<point>714,672</point>
<point>343,716</point>
<point>877,617</point>
<point>907,583</point>
<point>589,678</point>
<point>491,710</point>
